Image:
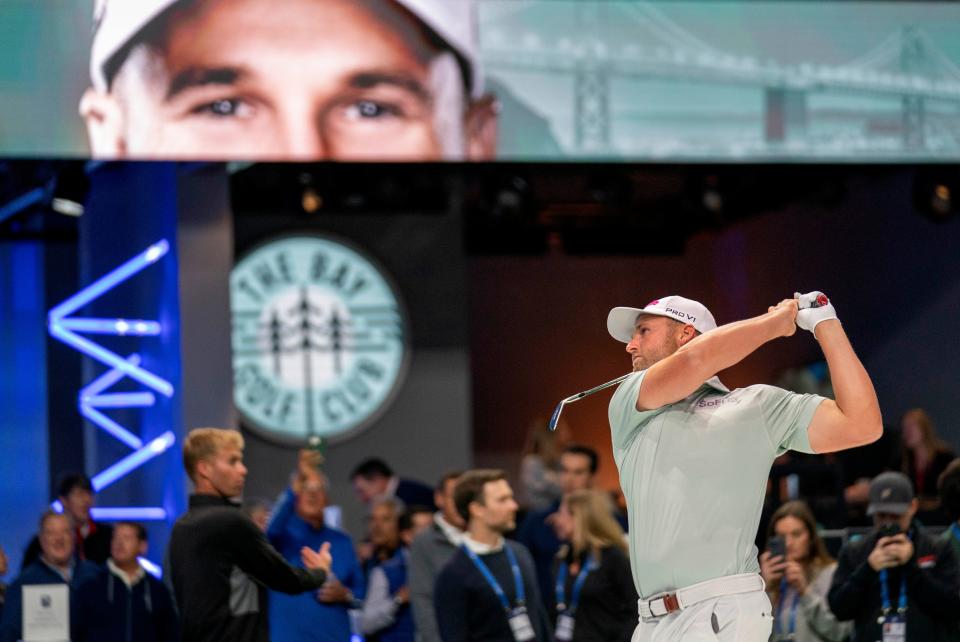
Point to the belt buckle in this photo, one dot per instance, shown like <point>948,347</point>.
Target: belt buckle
<point>663,605</point>
<point>671,603</point>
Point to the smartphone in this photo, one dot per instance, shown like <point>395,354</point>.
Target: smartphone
<point>777,546</point>
<point>889,530</point>
<point>319,445</point>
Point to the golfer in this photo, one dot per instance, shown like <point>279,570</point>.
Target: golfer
<point>694,456</point>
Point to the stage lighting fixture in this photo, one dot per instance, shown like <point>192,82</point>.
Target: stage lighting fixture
<point>70,189</point>
<point>312,201</point>
<point>712,198</point>
<point>933,194</point>
<point>512,199</point>
<point>940,201</point>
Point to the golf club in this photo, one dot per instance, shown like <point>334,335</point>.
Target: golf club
<point>577,397</point>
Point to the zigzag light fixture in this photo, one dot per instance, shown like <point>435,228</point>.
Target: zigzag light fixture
<point>95,396</point>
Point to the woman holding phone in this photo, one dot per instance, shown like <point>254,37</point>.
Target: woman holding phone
<point>797,570</point>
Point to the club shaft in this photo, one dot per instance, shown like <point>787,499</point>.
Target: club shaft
<point>602,386</point>
<point>552,425</point>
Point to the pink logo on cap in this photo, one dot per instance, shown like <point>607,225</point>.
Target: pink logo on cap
<point>654,302</point>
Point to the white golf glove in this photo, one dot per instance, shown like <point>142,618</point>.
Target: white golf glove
<point>814,308</point>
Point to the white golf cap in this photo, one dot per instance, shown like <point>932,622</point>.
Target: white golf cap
<point>621,321</point>
<point>116,22</point>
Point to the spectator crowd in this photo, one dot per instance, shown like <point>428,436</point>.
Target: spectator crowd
<point>464,561</point>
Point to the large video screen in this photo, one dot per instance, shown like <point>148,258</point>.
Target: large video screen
<point>515,80</point>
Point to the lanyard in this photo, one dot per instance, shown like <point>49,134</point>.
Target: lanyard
<point>792,623</point>
<point>885,593</point>
<point>492,581</point>
<point>577,585</point>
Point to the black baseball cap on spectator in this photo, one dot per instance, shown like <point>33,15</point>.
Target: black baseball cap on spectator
<point>891,493</point>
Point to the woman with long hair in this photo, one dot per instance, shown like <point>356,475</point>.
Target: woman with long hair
<point>798,581</point>
<point>925,457</point>
<point>596,598</point>
<point>539,468</point>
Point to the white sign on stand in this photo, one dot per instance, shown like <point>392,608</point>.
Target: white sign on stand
<point>46,613</point>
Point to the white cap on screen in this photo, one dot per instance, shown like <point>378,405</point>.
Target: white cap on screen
<point>116,22</point>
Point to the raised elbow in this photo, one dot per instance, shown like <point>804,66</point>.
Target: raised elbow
<point>873,426</point>
<point>867,431</point>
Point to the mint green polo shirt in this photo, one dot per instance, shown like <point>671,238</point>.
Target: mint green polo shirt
<point>694,474</point>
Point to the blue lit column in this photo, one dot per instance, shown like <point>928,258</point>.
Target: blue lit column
<point>125,321</point>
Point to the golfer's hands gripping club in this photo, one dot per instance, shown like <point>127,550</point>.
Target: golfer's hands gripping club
<point>815,308</point>
<point>784,315</point>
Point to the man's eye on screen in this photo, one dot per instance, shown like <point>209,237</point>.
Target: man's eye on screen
<point>223,108</point>
<point>368,110</point>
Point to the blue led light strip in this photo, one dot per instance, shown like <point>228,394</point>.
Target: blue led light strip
<point>66,329</point>
<point>103,355</point>
<point>132,461</point>
<point>128,513</point>
<point>150,567</point>
<point>94,395</point>
<point>88,410</point>
<point>135,327</point>
<point>110,280</point>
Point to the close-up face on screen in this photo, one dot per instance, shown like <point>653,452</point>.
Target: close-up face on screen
<point>297,79</point>
<point>519,80</point>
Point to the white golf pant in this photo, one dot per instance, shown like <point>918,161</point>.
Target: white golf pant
<point>741,617</point>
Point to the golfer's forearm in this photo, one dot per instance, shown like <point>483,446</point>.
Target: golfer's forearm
<point>728,345</point>
<point>852,387</point>
<point>684,371</point>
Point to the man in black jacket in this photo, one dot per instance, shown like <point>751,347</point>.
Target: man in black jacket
<point>221,563</point>
<point>487,591</point>
<point>897,578</point>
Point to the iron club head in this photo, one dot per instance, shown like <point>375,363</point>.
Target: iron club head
<point>556,416</point>
<point>577,397</point>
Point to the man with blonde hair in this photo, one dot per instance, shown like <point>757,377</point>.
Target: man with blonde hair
<point>221,563</point>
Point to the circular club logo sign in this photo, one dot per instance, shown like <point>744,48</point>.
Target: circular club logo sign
<point>319,339</point>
